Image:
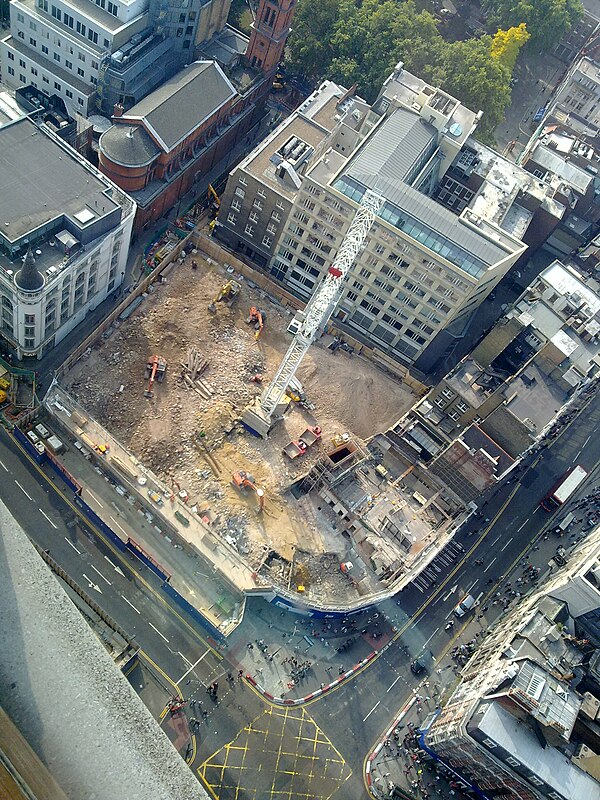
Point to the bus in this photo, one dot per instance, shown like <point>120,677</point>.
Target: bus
<point>564,489</point>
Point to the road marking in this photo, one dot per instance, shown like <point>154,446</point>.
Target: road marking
<point>389,689</point>
<point>187,661</point>
<point>92,584</point>
<point>95,499</point>
<point>489,565</point>
<point>129,603</point>
<point>578,453</point>
<point>119,526</point>
<point>48,518</point>
<point>101,575</point>
<point>159,633</point>
<point>471,586</point>
<point>496,539</point>
<point>372,710</point>
<point>5,468</point>
<point>506,545</point>
<point>192,666</point>
<point>73,546</point>
<point>23,490</point>
<point>114,566</point>
<point>451,592</point>
<point>523,525</point>
<point>584,444</point>
<point>437,630</point>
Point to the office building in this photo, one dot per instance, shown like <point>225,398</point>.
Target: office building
<point>288,205</point>
<point>64,240</point>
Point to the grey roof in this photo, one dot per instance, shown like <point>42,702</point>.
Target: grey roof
<point>183,102</point>
<point>402,139</point>
<point>66,696</point>
<point>549,764</point>
<point>128,145</point>
<point>42,180</point>
<point>28,277</point>
<point>384,162</point>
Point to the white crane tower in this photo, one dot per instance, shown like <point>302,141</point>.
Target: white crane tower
<point>260,416</point>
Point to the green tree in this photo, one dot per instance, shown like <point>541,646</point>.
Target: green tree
<point>309,50</point>
<point>506,45</point>
<point>547,20</point>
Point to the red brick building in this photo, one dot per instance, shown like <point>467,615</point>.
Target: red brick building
<point>175,136</point>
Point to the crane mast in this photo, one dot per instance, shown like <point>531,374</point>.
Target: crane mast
<point>259,418</point>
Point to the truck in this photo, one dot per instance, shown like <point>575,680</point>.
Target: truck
<point>564,488</point>
<point>298,447</point>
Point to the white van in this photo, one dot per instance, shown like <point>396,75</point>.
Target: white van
<point>465,605</point>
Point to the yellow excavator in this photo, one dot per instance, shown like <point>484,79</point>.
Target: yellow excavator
<point>227,294</point>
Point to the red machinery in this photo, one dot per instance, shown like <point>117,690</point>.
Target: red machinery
<point>243,480</point>
<point>155,371</point>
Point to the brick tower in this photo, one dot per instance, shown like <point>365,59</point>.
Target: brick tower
<point>270,30</point>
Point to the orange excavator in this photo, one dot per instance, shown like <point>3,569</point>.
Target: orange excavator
<point>243,480</point>
<point>257,318</point>
<point>155,371</point>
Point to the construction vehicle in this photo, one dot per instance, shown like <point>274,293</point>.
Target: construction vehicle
<point>257,318</point>
<point>259,417</point>
<point>155,371</point>
<point>227,294</point>
<point>214,201</point>
<point>298,447</point>
<point>339,439</point>
<point>243,480</point>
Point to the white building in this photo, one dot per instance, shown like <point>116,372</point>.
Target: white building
<point>64,239</point>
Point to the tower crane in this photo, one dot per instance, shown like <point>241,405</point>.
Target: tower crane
<point>260,416</point>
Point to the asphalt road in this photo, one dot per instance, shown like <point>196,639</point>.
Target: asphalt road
<point>245,745</point>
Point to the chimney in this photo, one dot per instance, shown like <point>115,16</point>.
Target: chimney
<point>118,110</point>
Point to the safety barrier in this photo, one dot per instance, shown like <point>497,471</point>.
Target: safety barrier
<point>145,557</point>
<point>197,615</point>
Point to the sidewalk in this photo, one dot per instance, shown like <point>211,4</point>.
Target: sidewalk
<point>290,657</point>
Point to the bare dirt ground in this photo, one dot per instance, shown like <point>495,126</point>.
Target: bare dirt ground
<point>170,432</point>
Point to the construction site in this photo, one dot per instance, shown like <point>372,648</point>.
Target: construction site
<point>171,383</point>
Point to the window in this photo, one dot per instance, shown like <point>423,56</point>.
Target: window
<point>32,42</point>
<point>44,78</point>
<point>11,56</point>
<point>439,401</point>
<point>21,18</point>
<point>271,228</point>
<point>43,4</point>
<point>34,71</point>
<point>56,57</point>
<point>240,192</point>
<point>535,780</point>
<point>513,762</point>
<point>29,344</point>
<point>69,94</point>
<point>280,205</point>
<point>57,86</point>
<point>44,49</point>
<point>95,65</point>
<point>267,241</point>
<point>235,205</point>
<point>68,20</point>
<point>32,25</point>
<point>92,35</point>
<point>112,8</point>
<point>462,407</point>
<point>243,180</point>
<point>253,216</point>
<point>448,393</point>
<point>277,218</point>
<point>249,229</point>
<point>106,44</point>
<point>68,64</point>
<point>232,218</point>
<point>189,30</point>
<point>182,18</point>
<point>11,71</point>
<point>261,193</point>
<point>21,63</point>
<point>29,319</point>
<point>453,415</point>
<point>29,330</point>
<point>56,13</point>
<point>258,204</point>
<point>22,78</point>
<point>80,101</point>
<point>81,56</point>
<point>81,72</point>
<point>21,35</point>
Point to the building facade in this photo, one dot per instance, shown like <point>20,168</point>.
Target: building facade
<point>96,53</point>
<point>64,242</point>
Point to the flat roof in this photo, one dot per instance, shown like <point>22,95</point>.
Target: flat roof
<point>69,700</point>
<point>566,282</point>
<point>42,180</point>
<point>549,764</point>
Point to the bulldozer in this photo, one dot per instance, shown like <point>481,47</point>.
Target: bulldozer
<point>257,318</point>
<point>155,371</point>
<point>227,294</point>
<point>243,480</point>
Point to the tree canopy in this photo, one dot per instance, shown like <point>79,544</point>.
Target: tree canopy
<point>506,45</point>
<point>359,42</point>
<point>547,20</point>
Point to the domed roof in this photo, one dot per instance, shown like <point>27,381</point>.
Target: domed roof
<point>29,278</point>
